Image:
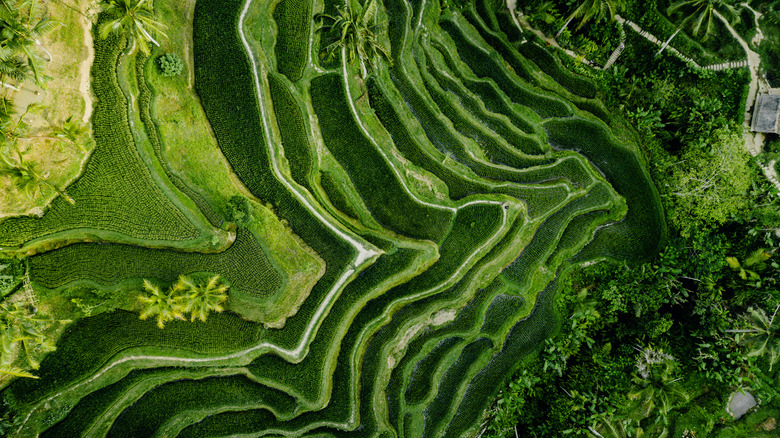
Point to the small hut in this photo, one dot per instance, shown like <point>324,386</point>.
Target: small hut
<point>766,114</point>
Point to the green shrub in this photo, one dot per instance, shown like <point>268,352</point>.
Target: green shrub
<point>170,65</point>
<point>239,210</point>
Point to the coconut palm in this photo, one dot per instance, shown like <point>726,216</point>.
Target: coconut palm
<point>762,337</point>
<point>18,325</point>
<point>72,131</point>
<point>702,14</point>
<point>164,306</point>
<point>134,17</point>
<point>598,9</point>
<point>20,47</point>
<point>203,299</point>
<point>655,386</point>
<point>26,178</point>
<point>354,30</point>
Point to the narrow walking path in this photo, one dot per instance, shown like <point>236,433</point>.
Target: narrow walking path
<point>652,38</point>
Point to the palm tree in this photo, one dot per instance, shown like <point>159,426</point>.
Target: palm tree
<point>204,299</point>
<point>763,335</point>
<point>655,385</point>
<point>134,17</point>
<point>701,12</point>
<point>164,306</point>
<point>354,30</point>
<point>20,43</point>
<point>72,131</point>
<point>26,178</point>
<point>589,9</point>
<point>20,326</point>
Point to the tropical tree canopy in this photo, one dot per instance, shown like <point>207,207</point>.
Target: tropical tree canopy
<point>20,47</point>
<point>354,30</point>
<point>184,296</point>
<point>136,19</point>
<point>595,9</point>
<point>701,13</point>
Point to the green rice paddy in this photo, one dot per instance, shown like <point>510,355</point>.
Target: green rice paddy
<point>444,194</point>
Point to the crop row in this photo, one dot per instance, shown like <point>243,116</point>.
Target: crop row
<point>461,181</point>
<point>643,232</point>
<point>292,128</point>
<point>149,414</point>
<point>382,191</point>
<point>94,413</point>
<point>145,95</point>
<point>565,85</point>
<point>491,65</point>
<point>232,108</point>
<point>114,173</point>
<point>495,147</point>
<point>498,123</point>
<point>293,21</point>
<point>312,377</point>
<point>243,265</point>
<point>77,358</point>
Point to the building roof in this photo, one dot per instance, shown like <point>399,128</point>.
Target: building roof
<point>766,114</point>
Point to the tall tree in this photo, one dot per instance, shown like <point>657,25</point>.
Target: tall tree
<point>25,177</point>
<point>20,46</point>
<point>203,299</point>
<point>136,19</point>
<point>590,9</point>
<point>701,13</point>
<point>164,306</point>
<point>354,29</point>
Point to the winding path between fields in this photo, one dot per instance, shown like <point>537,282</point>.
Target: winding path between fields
<point>366,254</point>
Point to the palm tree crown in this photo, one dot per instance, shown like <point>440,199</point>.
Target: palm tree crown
<point>203,299</point>
<point>354,30</point>
<point>598,9</point>
<point>702,13</point>
<point>164,306</point>
<point>136,18</point>
<point>20,47</point>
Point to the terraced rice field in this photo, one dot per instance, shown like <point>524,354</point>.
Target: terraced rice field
<point>444,194</point>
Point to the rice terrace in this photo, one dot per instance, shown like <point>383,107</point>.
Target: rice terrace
<point>388,218</point>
